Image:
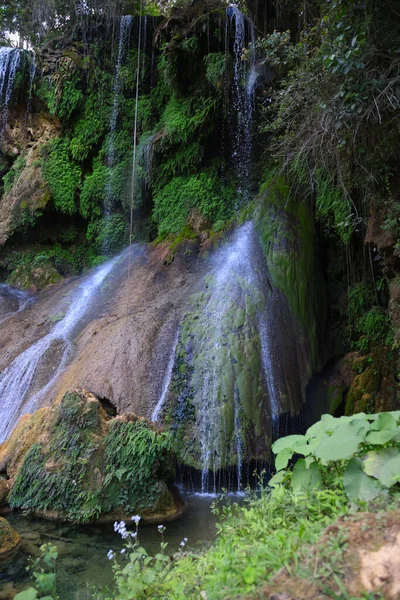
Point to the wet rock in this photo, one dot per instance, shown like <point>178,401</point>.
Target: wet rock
<point>40,448</point>
<point>35,278</point>
<point>4,491</point>
<point>8,592</point>
<point>9,539</point>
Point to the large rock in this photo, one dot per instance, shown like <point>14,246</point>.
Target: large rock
<point>73,462</point>
<point>28,193</point>
<point>9,539</point>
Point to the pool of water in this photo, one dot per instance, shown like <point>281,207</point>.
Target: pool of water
<point>82,564</point>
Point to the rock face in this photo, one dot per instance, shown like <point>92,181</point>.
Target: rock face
<point>73,462</point>
<point>27,193</point>
<point>9,539</point>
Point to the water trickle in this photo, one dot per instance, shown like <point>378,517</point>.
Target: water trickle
<point>32,73</point>
<point>9,61</point>
<point>269,371</point>
<point>18,379</point>
<point>166,382</point>
<point>124,32</point>
<point>12,301</point>
<point>242,101</point>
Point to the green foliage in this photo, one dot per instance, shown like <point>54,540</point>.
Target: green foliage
<point>61,91</point>
<point>43,569</point>
<point>360,453</point>
<point>135,457</point>
<point>217,64</point>
<point>109,232</point>
<point>13,174</point>
<point>92,125</point>
<point>62,175</point>
<point>204,191</point>
<point>370,325</point>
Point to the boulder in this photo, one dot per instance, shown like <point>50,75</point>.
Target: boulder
<point>9,539</point>
<point>90,466</point>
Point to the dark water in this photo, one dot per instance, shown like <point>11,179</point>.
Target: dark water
<point>82,564</point>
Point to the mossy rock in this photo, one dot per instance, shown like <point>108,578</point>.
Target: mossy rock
<point>9,539</point>
<point>80,465</point>
<point>37,277</point>
<point>360,397</point>
<point>4,491</point>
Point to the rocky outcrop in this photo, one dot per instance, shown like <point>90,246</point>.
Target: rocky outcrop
<point>73,462</point>
<point>27,193</point>
<point>9,540</point>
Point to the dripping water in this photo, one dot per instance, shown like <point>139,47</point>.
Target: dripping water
<point>124,33</point>
<point>32,74</point>
<point>18,379</point>
<point>167,381</point>
<point>12,301</point>
<point>242,101</point>
<point>9,61</point>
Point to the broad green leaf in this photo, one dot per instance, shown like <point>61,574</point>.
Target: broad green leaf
<point>382,430</point>
<point>306,479</point>
<point>282,459</point>
<point>29,594</point>
<point>325,425</point>
<point>384,465</point>
<point>306,448</point>
<point>343,443</point>
<point>357,485</point>
<point>277,478</point>
<point>286,442</point>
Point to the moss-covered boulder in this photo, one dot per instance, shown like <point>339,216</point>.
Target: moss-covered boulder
<point>4,491</point>
<point>73,462</point>
<point>34,277</point>
<point>9,539</point>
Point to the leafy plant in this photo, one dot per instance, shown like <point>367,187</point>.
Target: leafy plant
<point>362,452</point>
<point>43,569</point>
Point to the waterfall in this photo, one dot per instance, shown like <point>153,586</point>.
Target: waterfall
<point>235,288</point>
<point>9,61</point>
<point>124,33</point>
<point>17,380</point>
<point>166,382</point>
<point>242,101</point>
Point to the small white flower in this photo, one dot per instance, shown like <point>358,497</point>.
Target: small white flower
<point>183,544</point>
<point>123,550</point>
<point>110,554</point>
<point>185,539</point>
<point>160,527</point>
<point>133,534</point>
<point>136,519</point>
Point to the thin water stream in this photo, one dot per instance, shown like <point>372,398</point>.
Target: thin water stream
<point>83,563</point>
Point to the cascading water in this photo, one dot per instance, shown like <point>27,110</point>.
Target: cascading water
<point>17,380</point>
<point>235,284</point>
<point>9,61</point>
<point>166,382</point>
<point>242,101</point>
<point>124,32</point>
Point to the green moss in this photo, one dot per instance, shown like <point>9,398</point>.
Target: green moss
<point>82,468</point>
<point>62,175</point>
<point>286,230</point>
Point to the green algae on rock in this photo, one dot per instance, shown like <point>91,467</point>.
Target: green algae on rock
<point>80,465</point>
<point>9,540</point>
